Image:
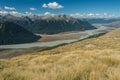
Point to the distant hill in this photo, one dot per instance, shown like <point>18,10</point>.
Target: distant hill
<point>49,24</point>
<point>102,20</point>
<point>113,24</point>
<point>11,33</point>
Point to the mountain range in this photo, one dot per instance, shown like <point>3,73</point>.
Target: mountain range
<point>22,29</point>
<point>49,24</point>
<point>102,20</point>
<point>115,24</point>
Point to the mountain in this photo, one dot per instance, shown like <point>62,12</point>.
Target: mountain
<point>102,20</point>
<point>96,58</point>
<point>115,24</point>
<point>11,33</point>
<point>49,24</point>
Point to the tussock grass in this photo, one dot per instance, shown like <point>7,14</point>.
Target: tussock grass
<point>100,60</point>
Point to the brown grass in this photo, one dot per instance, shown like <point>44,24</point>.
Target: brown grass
<point>91,59</point>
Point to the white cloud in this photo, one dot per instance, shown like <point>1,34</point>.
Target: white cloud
<point>9,8</point>
<point>3,12</point>
<point>97,14</point>
<point>92,15</point>
<point>44,6</point>
<point>48,13</point>
<point>105,14</point>
<point>53,5</point>
<point>76,15</point>
<point>28,13</point>
<point>33,9</point>
<point>15,13</point>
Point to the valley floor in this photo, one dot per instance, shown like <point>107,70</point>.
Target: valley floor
<point>47,42</point>
<point>61,36</point>
<point>91,59</point>
<point>58,39</point>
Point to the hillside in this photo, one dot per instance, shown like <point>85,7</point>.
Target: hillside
<point>49,24</point>
<point>113,24</point>
<point>11,33</point>
<point>91,59</point>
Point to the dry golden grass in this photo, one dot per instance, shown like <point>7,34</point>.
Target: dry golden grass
<point>91,59</point>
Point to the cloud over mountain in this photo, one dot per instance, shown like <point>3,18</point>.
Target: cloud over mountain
<point>33,9</point>
<point>9,8</point>
<point>49,14</point>
<point>92,15</point>
<point>3,12</point>
<point>52,5</point>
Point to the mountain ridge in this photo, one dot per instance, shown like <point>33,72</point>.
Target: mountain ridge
<point>11,33</point>
<point>49,24</point>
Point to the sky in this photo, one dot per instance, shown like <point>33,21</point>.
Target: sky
<point>70,7</point>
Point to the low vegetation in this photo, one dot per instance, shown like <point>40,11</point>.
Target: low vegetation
<point>90,59</point>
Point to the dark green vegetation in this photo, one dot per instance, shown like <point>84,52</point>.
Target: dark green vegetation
<point>49,24</point>
<point>11,33</point>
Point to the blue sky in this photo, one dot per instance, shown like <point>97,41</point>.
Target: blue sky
<point>67,6</point>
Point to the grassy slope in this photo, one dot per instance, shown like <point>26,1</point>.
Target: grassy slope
<point>91,59</point>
